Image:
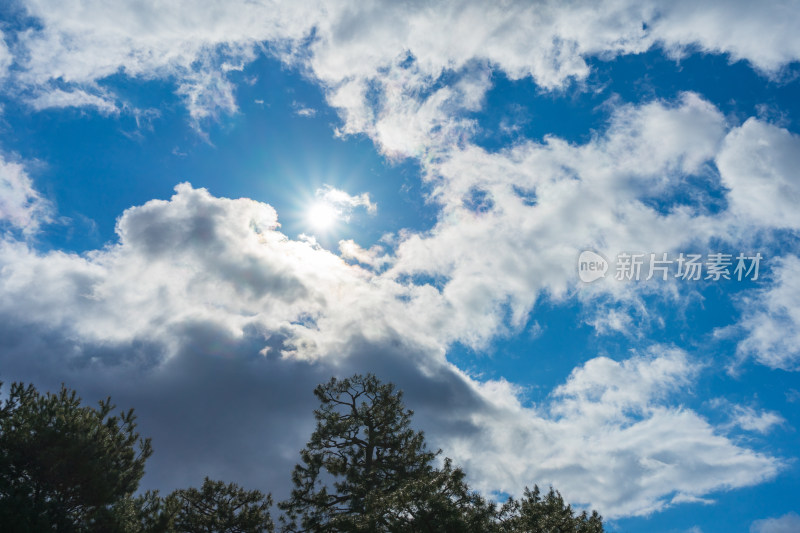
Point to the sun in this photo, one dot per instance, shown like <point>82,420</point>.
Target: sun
<point>322,215</point>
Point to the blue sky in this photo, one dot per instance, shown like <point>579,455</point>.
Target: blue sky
<point>159,173</point>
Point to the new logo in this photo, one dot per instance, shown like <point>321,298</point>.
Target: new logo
<point>591,266</point>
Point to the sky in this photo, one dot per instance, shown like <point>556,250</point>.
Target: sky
<point>569,231</point>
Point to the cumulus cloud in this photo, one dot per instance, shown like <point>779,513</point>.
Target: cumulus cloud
<point>193,257</point>
<point>382,69</point>
<point>719,27</point>
<point>204,290</point>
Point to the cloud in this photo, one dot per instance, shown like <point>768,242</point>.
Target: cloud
<point>499,259</point>
<point>216,312</point>
<point>206,319</point>
<point>718,27</point>
<point>21,205</point>
<point>788,523</point>
<point>688,498</point>
<point>771,318</point>
<point>79,44</point>
<point>57,98</point>
<point>344,202</point>
<point>393,51</point>
<point>303,111</point>
<point>207,95</point>
<point>374,257</point>
<point>610,437</point>
<point>204,306</point>
<point>758,162</point>
<point>6,58</point>
<point>749,419</point>
<point>383,69</point>
<point>198,257</point>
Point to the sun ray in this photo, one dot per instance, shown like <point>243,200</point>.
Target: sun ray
<point>322,215</point>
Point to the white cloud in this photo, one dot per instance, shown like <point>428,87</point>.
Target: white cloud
<point>771,318</point>
<point>610,437</point>
<point>374,257</point>
<point>688,498</point>
<point>207,94</point>
<point>381,67</point>
<point>788,523</point>
<point>749,419</point>
<point>608,320</point>
<point>81,43</point>
<point>303,111</point>
<point>6,58</point>
<point>357,47</point>
<point>20,204</point>
<point>503,254</point>
<point>58,98</point>
<point>345,202</point>
<point>758,163</point>
<point>740,29</point>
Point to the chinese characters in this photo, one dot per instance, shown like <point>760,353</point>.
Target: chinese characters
<point>712,267</point>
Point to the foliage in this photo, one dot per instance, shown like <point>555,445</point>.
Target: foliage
<point>71,468</point>
<point>535,513</point>
<point>221,508</point>
<point>63,466</point>
<point>365,469</point>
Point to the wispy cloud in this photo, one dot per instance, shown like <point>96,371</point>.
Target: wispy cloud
<point>302,110</point>
<point>770,318</point>
<point>344,202</point>
<point>58,98</point>
<point>788,523</point>
<point>21,205</point>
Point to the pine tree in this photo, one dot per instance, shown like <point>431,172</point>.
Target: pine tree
<point>365,470</point>
<point>64,466</point>
<point>220,508</point>
<point>535,513</point>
